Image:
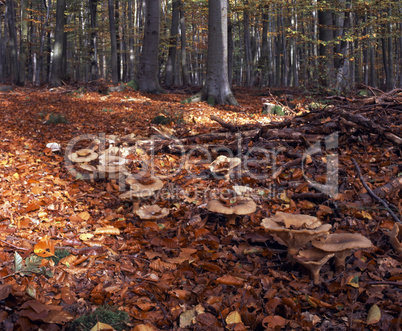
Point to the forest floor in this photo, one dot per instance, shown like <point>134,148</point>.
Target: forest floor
<point>69,244</point>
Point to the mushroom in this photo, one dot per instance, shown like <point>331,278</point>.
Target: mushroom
<point>135,197</point>
<point>294,232</point>
<point>232,207</point>
<point>395,238</point>
<point>224,165</point>
<point>143,187</point>
<point>342,244</point>
<point>112,171</point>
<point>313,259</point>
<point>83,155</point>
<point>146,182</point>
<point>152,212</point>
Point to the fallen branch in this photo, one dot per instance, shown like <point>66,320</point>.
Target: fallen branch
<point>388,189</point>
<point>372,193</point>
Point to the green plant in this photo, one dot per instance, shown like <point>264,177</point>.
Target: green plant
<point>105,110</point>
<point>55,118</point>
<point>104,314</point>
<point>30,266</point>
<point>59,254</point>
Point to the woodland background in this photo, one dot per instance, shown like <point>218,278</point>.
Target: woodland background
<point>324,44</point>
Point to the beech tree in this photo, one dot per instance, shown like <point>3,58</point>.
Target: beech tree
<point>55,79</point>
<point>148,67</point>
<point>217,88</point>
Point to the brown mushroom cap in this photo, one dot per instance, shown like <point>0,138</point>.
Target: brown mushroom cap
<point>134,194</point>
<point>294,239</point>
<point>83,155</point>
<point>313,259</point>
<point>296,220</point>
<point>395,238</point>
<point>152,183</point>
<point>152,212</point>
<point>224,165</point>
<point>342,244</point>
<point>242,206</point>
<point>112,171</point>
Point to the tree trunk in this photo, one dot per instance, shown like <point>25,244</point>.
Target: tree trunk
<point>131,59</point>
<point>247,43</point>
<point>93,49</point>
<point>57,61</point>
<point>326,37</point>
<point>39,67</point>
<point>113,43</point>
<point>13,42</point>
<point>174,31</point>
<point>183,45</point>
<point>23,42</point>
<point>149,65</point>
<point>217,89</point>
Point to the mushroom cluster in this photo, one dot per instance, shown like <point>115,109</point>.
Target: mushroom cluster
<point>223,166</point>
<point>143,187</point>
<point>232,207</point>
<point>297,231</point>
<point>294,230</point>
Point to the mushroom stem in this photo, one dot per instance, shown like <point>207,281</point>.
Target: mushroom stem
<point>232,219</point>
<point>340,258</point>
<point>136,205</point>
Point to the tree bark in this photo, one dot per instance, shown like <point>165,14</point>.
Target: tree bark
<point>217,89</point>
<point>57,61</point>
<point>113,43</point>
<point>174,31</point>
<point>93,51</point>
<point>326,37</point>
<point>13,42</point>
<point>149,65</point>
<point>23,42</point>
<point>183,52</point>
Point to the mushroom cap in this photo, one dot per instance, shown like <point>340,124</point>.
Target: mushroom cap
<point>296,220</point>
<point>130,195</point>
<point>395,238</point>
<point>113,170</point>
<point>242,190</point>
<point>88,167</point>
<point>155,184</point>
<point>242,206</point>
<point>152,212</point>
<point>313,259</point>
<point>294,239</point>
<point>224,164</point>
<point>338,242</point>
<point>107,159</point>
<point>83,155</point>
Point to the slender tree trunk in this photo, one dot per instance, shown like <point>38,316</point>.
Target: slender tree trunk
<point>326,36</point>
<point>93,49</point>
<point>23,42</point>
<point>247,43</point>
<point>131,59</point>
<point>230,50</point>
<point>42,41</point>
<point>264,59</point>
<point>148,68</point>
<point>57,61</point>
<point>13,42</point>
<point>2,55</point>
<point>113,43</point>
<point>174,31</point>
<point>183,45</point>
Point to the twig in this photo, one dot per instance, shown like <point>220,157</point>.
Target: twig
<point>16,247</point>
<point>372,193</point>
<point>384,282</point>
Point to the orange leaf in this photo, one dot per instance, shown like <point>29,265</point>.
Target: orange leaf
<point>44,248</point>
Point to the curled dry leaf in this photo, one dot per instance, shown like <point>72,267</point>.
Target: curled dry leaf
<point>230,280</point>
<point>233,318</point>
<point>374,315</point>
<point>107,230</point>
<point>161,266</point>
<point>45,247</point>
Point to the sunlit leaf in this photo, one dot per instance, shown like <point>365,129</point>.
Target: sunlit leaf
<point>45,247</point>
